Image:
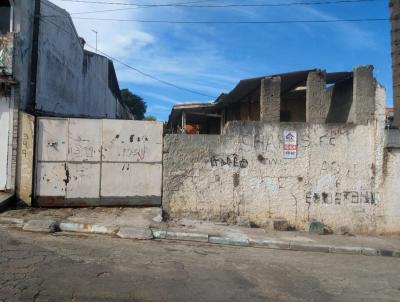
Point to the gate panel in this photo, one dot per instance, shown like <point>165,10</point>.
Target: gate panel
<point>84,140</point>
<point>85,162</point>
<point>52,140</point>
<point>127,141</point>
<point>137,183</point>
<point>84,180</point>
<point>51,178</point>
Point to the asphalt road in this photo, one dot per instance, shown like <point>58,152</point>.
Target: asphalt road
<point>60,267</point>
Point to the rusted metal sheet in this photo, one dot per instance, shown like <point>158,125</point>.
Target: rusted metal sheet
<point>86,162</point>
<point>25,157</point>
<point>57,201</point>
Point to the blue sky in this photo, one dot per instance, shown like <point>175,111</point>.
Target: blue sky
<point>212,58</point>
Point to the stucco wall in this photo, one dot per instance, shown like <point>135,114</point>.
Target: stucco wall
<point>337,177</point>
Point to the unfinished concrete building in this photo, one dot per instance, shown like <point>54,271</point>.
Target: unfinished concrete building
<point>304,146</point>
<point>311,96</point>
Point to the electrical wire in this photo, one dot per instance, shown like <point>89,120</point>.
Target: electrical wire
<point>237,22</point>
<point>134,4</point>
<point>187,5</point>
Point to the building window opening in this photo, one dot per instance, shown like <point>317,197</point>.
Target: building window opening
<point>5,16</point>
<point>293,105</point>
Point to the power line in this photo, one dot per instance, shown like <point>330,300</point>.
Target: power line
<point>237,22</point>
<point>189,5</point>
<point>133,68</point>
<point>193,4</point>
<point>129,4</point>
<point>151,76</point>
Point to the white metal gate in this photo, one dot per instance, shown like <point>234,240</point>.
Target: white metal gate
<point>85,162</point>
<point>4,138</point>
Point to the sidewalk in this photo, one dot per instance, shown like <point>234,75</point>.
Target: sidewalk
<point>146,223</point>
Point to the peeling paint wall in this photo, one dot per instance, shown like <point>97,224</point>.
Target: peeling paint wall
<point>25,157</point>
<point>86,162</point>
<point>337,177</point>
<point>71,82</point>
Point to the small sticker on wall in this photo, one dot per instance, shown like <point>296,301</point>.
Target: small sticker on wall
<point>290,144</point>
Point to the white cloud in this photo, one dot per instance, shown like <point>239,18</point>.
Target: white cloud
<point>191,62</point>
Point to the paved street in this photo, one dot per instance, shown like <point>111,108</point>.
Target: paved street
<point>60,267</point>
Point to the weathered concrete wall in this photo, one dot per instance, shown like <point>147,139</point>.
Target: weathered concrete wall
<point>25,157</point>
<point>82,162</point>
<point>391,209</point>
<point>270,100</point>
<point>71,82</point>
<point>22,29</point>
<point>318,98</point>
<point>336,178</point>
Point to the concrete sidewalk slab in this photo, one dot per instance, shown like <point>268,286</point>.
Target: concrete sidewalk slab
<point>141,223</point>
<point>172,234</point>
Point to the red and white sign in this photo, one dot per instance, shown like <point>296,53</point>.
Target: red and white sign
<point>290,144</point>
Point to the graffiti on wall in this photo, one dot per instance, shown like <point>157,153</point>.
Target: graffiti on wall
<point>132,147</point>
<point>330,136</point>
<point>343,198</point>
<point>230,161</point>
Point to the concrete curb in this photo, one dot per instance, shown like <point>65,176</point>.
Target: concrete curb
<point>186,236</point>
<point>87,228</point>
<point>147,233</point>
<point>18,222</point>
<point>45,226</point>
<point>226,240</point>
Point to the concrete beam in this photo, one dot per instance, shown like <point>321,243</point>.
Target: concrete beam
<point>270,100</point>
<point>364,87</point>
<point>395,34</point>
<point>318,99</point>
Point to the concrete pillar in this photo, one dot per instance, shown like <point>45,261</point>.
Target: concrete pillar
<point>318,99</point>
<point>270,100</point>
<point>364,87</point>
<point>395,34</point>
